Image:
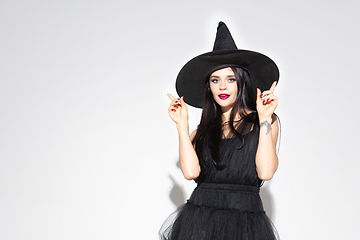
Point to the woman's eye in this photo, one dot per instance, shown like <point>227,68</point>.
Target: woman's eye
<point>214,80</point>
<point>231,80</point>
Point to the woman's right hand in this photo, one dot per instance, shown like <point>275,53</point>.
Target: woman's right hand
<point>177,110</point>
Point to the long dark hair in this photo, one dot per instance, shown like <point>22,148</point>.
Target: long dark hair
<point>209,131</point>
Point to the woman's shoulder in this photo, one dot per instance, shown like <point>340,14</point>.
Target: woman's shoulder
<point>192,135</point>
<point>274,118</point>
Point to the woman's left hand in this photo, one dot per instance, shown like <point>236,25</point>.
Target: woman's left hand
<point>266,102</point>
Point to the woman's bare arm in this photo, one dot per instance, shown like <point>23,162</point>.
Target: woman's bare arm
<point>189,161</point>
<point>266,157</point>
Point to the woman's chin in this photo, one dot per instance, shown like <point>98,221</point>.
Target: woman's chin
<point>226,107</point>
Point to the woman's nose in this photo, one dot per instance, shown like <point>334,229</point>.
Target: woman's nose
<point>222,86</point>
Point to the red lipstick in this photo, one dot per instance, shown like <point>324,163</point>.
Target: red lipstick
<point>224,96</point>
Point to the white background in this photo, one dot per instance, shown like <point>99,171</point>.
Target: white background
<point>87,150</point>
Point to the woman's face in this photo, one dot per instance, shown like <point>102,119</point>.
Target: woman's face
<point>224,88</point>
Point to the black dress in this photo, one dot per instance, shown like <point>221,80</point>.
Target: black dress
<point>226,204</point>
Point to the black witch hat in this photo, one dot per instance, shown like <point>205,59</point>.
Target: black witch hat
<point>192,78</point>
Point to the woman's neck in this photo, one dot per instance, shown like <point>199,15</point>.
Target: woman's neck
<point>226,116</point>
<point>227,113</point>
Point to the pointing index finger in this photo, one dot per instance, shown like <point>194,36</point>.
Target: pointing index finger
<point>171,97</point>
<point>272,88</point>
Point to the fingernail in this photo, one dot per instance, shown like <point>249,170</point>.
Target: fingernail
<point>261,95</point>
<point>263,101</point>
<point>176,101</point>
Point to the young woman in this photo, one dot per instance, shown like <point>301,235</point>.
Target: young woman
<point>233,149</point>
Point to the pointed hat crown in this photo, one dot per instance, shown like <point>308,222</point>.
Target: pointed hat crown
<point>224,40</point>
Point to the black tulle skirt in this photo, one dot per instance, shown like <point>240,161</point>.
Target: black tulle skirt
<point>220,212</point>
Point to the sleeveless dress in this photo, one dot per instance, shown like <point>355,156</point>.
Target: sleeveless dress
<point>226,204</point>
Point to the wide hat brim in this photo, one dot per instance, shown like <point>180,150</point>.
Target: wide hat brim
<point>191,80</point>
